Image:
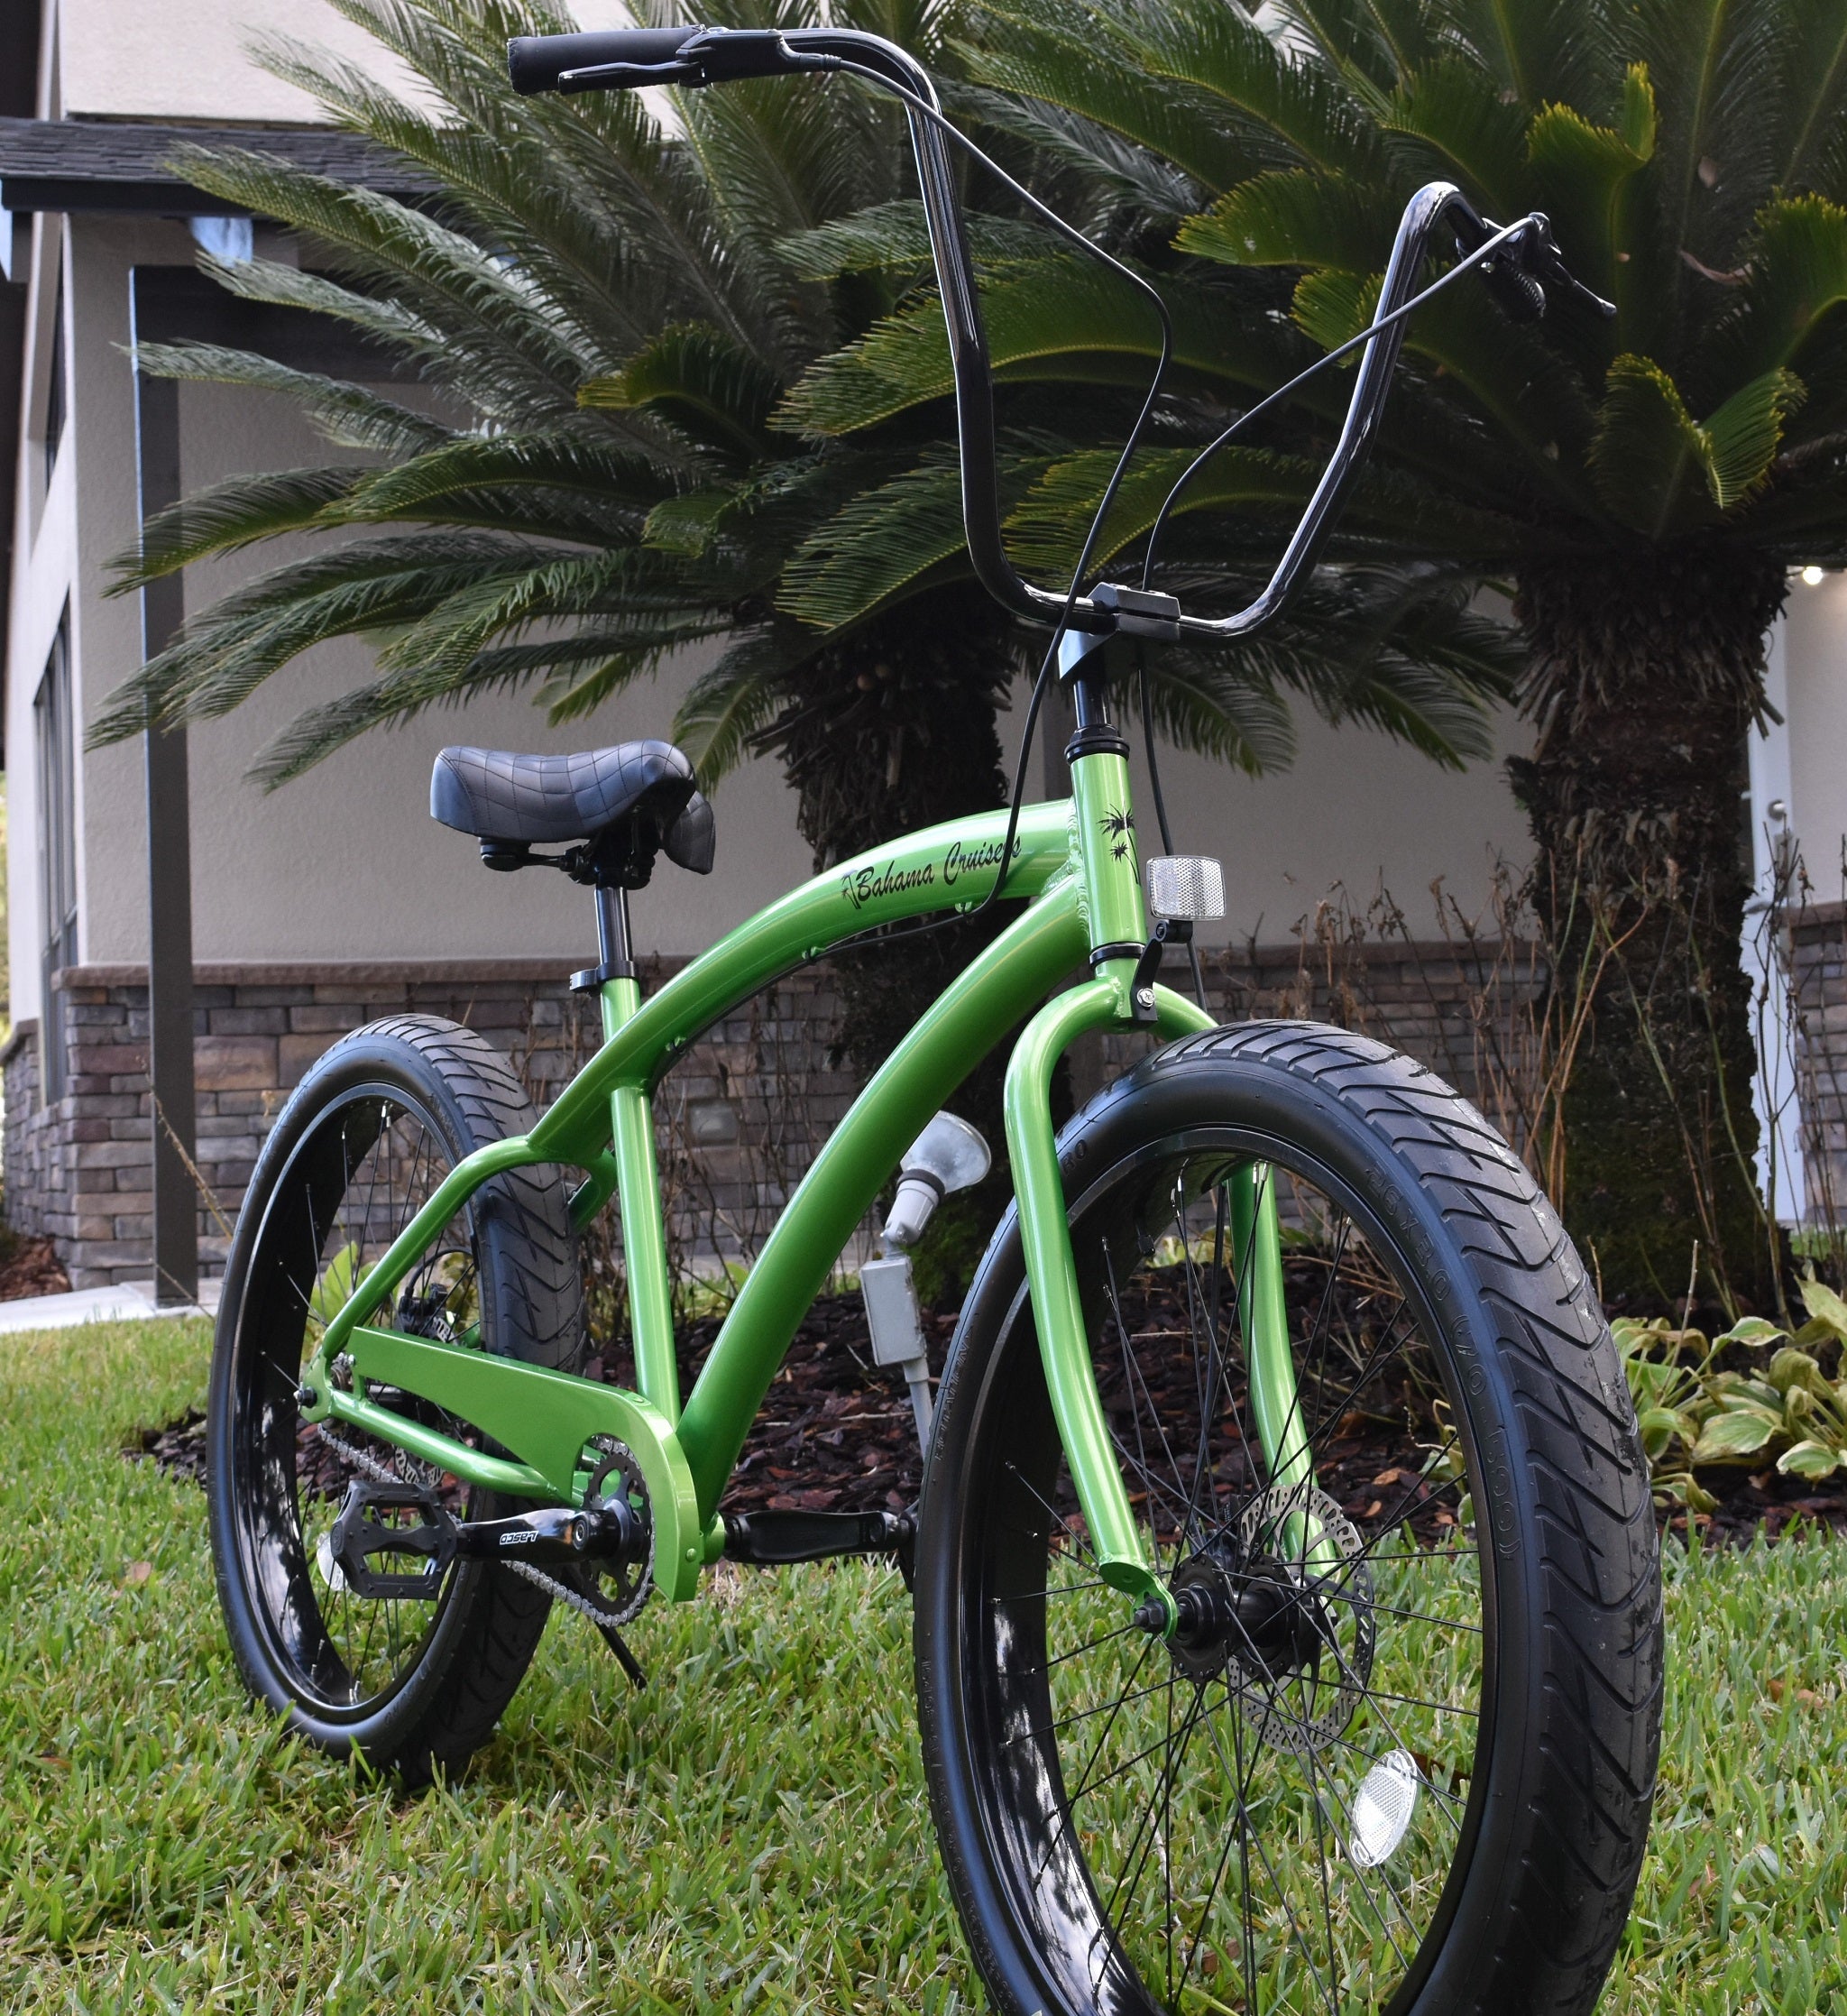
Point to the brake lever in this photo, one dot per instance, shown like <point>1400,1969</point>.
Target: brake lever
<point>1542,258</point>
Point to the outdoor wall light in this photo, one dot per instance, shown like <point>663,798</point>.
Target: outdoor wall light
<point>1812,577</point>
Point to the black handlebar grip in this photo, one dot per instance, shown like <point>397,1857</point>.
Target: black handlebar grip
<point>535,62</point>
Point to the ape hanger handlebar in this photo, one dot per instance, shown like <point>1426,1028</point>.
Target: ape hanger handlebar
<point>1516,261</point>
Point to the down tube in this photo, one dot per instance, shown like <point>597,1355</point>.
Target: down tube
<point>1009,980</point>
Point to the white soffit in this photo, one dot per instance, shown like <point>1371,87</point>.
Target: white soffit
<point>162,60</point>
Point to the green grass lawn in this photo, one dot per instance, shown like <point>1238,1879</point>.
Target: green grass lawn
<point>751,1833</point>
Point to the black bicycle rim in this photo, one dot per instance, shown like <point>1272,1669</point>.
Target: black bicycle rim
<point>1281,1815</point>
<point>356,1178</point>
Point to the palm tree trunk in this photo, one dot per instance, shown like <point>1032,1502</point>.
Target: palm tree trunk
<point>890,729</point>
<point>1646,674</point>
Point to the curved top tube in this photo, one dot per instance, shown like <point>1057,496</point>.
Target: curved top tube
<point>949,867</point>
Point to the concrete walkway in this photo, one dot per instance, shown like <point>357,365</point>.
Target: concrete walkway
<point>130,1302</point>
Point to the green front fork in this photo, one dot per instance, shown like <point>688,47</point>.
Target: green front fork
<point>1100,797</point>
<point>1064,1343</point>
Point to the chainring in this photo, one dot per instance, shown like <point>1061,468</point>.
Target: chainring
<point>620,1588</point>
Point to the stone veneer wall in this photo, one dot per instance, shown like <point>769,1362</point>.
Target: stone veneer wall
<point>80,1171</point>
<point>739,1117</point>
<point>1465,1011</point>
<point>1815,946</point>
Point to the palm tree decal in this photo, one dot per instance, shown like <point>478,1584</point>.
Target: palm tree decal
<point>1119,829</point>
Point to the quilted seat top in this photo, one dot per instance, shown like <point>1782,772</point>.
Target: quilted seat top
<point>545,800</point>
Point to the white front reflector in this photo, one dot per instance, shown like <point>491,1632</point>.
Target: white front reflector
<point>1382,1808</point>
<point>1186,885</point>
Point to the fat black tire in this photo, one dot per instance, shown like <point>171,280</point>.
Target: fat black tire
<point>488,1622</point>
<point>1560,1812</point>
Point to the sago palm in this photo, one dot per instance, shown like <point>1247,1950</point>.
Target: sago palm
<point>1642,483</point>
<point>613,309</point>
<point>598,298</point>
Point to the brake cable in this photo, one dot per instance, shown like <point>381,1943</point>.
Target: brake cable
<point>883,936</point>
<point>1475,260</point>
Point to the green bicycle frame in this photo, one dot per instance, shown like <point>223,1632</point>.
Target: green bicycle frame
<point>1075,861</point>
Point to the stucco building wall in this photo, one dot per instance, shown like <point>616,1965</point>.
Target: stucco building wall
<point>343,867</point>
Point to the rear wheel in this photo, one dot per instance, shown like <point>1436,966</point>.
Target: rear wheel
<point>1401,1754</point>
<point>414,1683</point>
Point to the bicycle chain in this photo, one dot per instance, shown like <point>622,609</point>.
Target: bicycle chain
<point>380,1473</point>
<point>562,1592</point>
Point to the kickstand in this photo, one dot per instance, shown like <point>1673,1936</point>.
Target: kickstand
<point>625,1659</point>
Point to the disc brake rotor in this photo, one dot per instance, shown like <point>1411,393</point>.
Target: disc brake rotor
<point>1306,1707</point>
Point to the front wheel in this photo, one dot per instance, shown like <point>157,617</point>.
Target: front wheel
<point>1403,1756</point>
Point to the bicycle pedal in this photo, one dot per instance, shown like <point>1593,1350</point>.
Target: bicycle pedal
<point>358,1533</point>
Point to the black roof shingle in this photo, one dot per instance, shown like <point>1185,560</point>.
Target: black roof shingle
<point>109,165</point>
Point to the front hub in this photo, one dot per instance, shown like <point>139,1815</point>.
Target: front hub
<point>1293,1642</point>
<point>1260,1615</point>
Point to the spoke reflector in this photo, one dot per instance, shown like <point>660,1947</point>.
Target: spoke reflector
<point>1382,1808</point>
<point>332,1573</point>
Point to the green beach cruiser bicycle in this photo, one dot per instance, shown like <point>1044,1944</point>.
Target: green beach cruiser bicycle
<point>1288,1626</point>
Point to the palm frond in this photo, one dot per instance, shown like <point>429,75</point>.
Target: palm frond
<point>732,702</point>
<point>886,541</point>
<point>1474,135</point>
<point>349,416</point>
<point>1064,320</point>
<point>715,393</point>
<point>226,517</point>
<point>221,656</point>
<point>894,237</point>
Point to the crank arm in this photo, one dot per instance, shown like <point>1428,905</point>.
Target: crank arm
<point>556,1533</point>
<point>777,1539</point>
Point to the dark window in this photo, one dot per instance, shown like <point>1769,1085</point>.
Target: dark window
<point>54,384</point>
<point>57,853</point>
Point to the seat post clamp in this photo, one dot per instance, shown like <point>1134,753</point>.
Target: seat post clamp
<point>591,978</point>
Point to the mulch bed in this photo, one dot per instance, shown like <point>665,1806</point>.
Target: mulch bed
<point>835,1435</point>
<point>835,1431</point>
<point>1763,1502</point>
<point>31,1267</point>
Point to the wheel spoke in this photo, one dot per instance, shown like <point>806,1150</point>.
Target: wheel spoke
<point>1310,1669</point>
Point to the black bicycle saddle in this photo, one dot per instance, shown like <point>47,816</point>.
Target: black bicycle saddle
<point>527,801</point>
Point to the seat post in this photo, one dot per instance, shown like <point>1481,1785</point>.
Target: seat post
<point>614,953</point>
<point>638,1174</point>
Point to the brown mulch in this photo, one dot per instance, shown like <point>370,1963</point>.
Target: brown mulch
<point>835,1435</point>
<point>835,1431</point>
<point>1764,1501</point>
<point>178,1448</point>
<point>32,1267</point>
